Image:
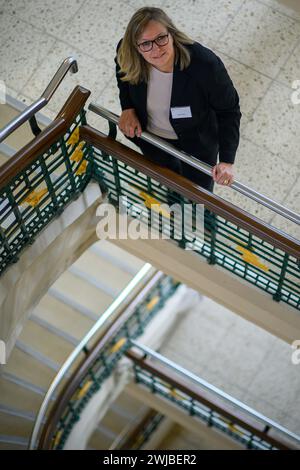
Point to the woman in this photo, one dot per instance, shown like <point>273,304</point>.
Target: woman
<point>180,91</point>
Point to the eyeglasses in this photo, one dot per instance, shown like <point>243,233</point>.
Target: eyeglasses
<point>162,40</point>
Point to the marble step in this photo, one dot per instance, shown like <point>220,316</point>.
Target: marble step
<point>62,316</point>
<point>28,368</point>
<point>13,425</point>
<point>15,395</point>
<point>83,293</point>
<point>52,346</point>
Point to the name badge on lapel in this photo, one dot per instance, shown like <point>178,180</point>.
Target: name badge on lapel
<point>181,112</point>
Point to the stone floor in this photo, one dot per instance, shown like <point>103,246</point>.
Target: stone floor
<point>259,42</point>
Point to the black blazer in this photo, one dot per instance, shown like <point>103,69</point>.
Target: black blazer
<point>206,87</point>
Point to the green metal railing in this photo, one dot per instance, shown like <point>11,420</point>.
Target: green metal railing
<point>225,243</point>
<point>40,192</point>
<point>206,402</point>
<point>198,410</point>
<point>110,355</point>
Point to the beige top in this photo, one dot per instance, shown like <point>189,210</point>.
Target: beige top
<point>158,103</point>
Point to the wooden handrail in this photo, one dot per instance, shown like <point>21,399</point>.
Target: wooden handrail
<point>191,190</point>
<point>205,398</point>
<point>46,138</point>
<point>81,370</point>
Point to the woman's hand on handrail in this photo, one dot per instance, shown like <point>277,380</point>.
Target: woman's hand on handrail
<point>222,173</point>
<point>129,123</point>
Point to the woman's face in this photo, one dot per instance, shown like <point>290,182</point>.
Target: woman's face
<point>161,57</point>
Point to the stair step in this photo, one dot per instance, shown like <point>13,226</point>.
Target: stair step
<point>63,317</point>
<point>29,369</point>
<point>50,345</point>
<point>117,256</point>
<point>13,442</point>
<point>82,292</point>
<point>103,269</point>
<point>15,425</point>
<point>15,396</point>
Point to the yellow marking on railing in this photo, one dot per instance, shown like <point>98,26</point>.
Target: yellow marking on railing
<point>232,428</point>
<point>34,197</point>
<point>175,394</point>
<point>57,438</point>
<point>150,202</point>
<point>153,204</point>
<point>115,348</point>
<point>152,302</point>
<point>84,389</point>
<point>238,241</point>
<point>251,258</point>
<point>77,155</point>
<point>82,168</point>
<point>74,137</point>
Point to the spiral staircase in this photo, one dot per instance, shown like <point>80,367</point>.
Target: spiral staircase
<point>60,299</point>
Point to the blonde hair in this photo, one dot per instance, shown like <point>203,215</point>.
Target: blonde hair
<point>133,67</point>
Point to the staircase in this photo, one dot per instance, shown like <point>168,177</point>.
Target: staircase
<point>68,311</point>
<point>75,302</point>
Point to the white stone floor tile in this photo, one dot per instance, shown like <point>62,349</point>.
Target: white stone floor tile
<point>278,380</point>
<point>263,171</point>
<point>275,125</point>
<point>240,354</point>
<point>292,201</point>
<point>52,17</point>
<point>18,58</point>
<point>97,28</point>
<point>287,7</point>
<point>7,23</point>
<point>290,71</point>
<point>256,29</point>
<point>263,407</point>
<point>250,84</point>
<point>204,327</point>
<point>93,75</point>
<point>291,423</point>
<point>204,21</point>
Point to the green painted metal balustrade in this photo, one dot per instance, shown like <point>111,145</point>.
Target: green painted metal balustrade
<point>225,244</point>
<point>197,409</point>
<point>42,190</point>
<point>110,355</point>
